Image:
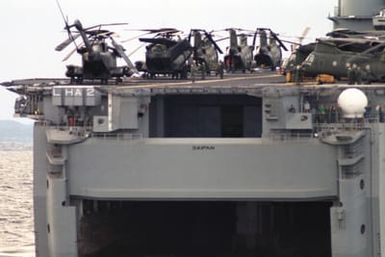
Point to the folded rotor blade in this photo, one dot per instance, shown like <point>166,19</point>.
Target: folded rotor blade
<point>107,24</point>
<point>210,38</point>
<point>66,42</point>
<point>121,52</point>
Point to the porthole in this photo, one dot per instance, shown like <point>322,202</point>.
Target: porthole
<point>100,121</point>
<point>362,184</point>
<point>363,228</point>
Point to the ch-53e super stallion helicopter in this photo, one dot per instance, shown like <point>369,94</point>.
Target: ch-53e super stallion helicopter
<point>99,58</point>
<point>167,53</point>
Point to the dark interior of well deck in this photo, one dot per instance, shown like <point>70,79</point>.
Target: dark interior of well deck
<point>204,229</point>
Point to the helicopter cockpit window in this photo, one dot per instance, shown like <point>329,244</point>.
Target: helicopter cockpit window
<point>158,49</point>
<point>309,60</point>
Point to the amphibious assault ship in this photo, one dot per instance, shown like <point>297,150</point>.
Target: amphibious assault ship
<point>241,166</point>
<point>234,167</point>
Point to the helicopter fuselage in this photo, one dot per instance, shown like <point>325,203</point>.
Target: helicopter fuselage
<point>162,59</point>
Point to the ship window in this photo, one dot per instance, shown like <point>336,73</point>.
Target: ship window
<point>206,116</point>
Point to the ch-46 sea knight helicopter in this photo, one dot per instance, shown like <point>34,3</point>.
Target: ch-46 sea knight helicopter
<point>268,52</point>
<point>205,49</point>
<point>99,57</point>
<point>336,56</point>
<point>239,55</point>
<point>297,57</point>
<point>299,52</point>
<point>167,53</point>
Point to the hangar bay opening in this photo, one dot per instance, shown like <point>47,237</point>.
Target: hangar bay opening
<point>205,116</point>
<point>204,229</point>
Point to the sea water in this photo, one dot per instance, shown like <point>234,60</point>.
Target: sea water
<point>16,207</point>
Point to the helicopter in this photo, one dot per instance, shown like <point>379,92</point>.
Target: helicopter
<point>268,54</point>
<point>337,56</point>
<point>167,53</point>
<point>205,49</point>
<point>348,33</point>
<point>297,57</point>
<point>299,52</point>
<point>239,56</point>
<point>99,59</point>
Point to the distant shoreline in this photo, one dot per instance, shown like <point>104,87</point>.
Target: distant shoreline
<point>15,135</point>
<point>15,146</point>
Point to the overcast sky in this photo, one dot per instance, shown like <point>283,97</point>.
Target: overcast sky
<point>31,29</point>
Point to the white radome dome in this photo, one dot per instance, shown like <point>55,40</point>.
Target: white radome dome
<point>353,102</point>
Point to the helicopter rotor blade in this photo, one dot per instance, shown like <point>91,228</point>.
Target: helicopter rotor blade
<point>162,41</point>
<point>71,53</point>
<point>106,24</point>
<point>62,13</point>
<point>107,34</point>
<point>66,42</point>
<point>121,52</point>
<point>255,38</point>
<point>275,36</point>
<point>210,38</point>
<point>136,49</point>
<point>158,31</point>
<point>67,27</point>
<point>136,37</point>
<point>291,42</point>
<point>304,34</point>
<point>222,39</point>
<point>367,51</point>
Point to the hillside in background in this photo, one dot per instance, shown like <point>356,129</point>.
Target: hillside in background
<point>13,131</point>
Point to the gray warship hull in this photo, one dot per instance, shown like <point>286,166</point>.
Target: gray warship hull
<point>234,167</point>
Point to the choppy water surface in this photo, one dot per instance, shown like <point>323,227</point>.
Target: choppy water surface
<point>16,211</point>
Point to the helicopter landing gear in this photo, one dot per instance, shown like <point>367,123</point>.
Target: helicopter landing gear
<point>183,74</point>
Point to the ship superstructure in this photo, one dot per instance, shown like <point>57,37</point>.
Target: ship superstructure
<point>234,167</point>
<point>356,14</point>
